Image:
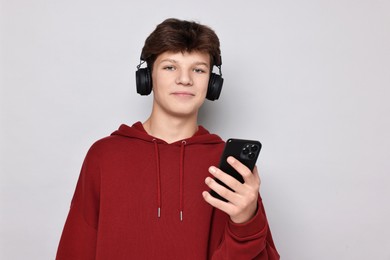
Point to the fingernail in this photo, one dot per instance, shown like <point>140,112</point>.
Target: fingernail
<point>231,159</point>
<point>208,180</point>
<point>212,169</point>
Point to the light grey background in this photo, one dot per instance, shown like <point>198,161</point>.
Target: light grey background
<point>310,79</point>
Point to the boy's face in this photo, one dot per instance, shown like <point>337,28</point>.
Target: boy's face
<point>180,82</point>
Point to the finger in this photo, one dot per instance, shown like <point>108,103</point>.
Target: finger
<point>240,168</point>
<point>217,203</point>
<point>225,178</point>
<point>256,175</point>
<point>221,190</point>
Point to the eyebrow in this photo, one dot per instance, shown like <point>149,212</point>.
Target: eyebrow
<point>195,63</point>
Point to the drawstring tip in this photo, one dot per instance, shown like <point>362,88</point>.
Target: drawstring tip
<point>181,215</point>
<point>158,212</point>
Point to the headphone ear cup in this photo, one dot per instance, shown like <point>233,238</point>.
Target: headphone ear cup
<point>143,81</point>
<point>215,87</point>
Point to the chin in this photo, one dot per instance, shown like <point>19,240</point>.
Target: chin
<point>184,112</point>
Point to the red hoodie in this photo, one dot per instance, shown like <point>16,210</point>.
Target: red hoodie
<point>139,197</point>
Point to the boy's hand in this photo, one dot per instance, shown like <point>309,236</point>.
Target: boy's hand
<point>242,203</point>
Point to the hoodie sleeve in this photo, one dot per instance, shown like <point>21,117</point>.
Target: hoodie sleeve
<point>79,236</point>
<point>250,240</point>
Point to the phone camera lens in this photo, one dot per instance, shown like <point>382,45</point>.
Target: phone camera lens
<point>245,150</point>
<point>251,155</point>
<point>254,148</point>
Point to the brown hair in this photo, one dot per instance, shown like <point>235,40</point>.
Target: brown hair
<point>176,35</point>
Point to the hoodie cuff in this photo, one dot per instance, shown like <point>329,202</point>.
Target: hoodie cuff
<point>257,224</point>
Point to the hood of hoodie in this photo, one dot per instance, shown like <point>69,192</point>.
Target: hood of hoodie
<point>202,136</point>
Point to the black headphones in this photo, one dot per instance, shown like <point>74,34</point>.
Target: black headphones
<point>144,81</point>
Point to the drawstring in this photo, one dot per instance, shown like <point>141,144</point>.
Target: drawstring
<point>156,153</point>
<point>183,143</point>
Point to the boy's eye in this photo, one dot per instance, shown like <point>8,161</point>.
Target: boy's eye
<point>169,68</point>
<point>199,70</point>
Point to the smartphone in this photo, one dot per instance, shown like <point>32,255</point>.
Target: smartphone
<point>246,151</point>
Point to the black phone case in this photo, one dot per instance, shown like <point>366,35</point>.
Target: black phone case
<point>246,151</point>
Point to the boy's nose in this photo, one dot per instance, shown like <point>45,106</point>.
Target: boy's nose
<point>184,78</point>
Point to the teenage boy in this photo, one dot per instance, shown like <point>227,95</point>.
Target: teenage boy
<point>143,190</point>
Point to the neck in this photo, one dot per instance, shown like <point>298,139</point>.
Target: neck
<point>170,129</point>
